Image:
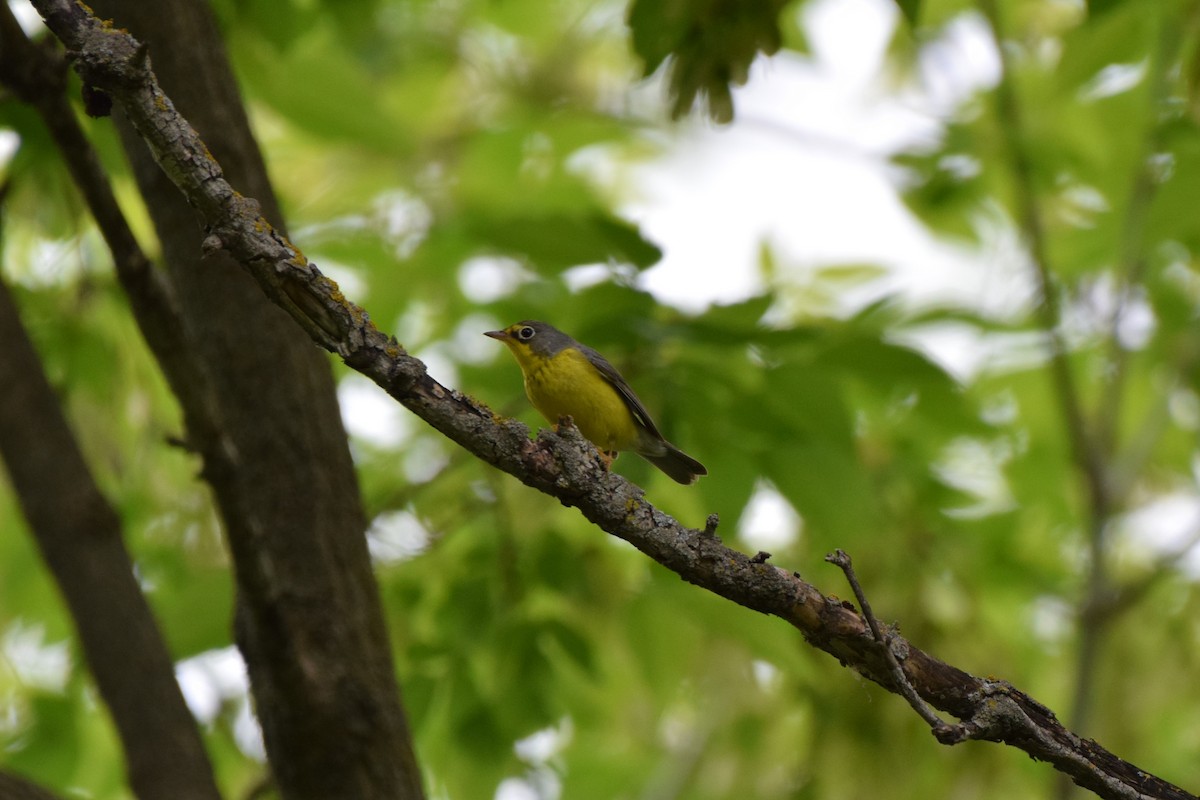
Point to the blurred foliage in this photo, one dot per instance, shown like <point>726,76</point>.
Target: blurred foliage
<point>710,44</point>
<point>434,158</point>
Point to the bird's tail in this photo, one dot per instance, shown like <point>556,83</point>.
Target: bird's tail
<point>678,465</point>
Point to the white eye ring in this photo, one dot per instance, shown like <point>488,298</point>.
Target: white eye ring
<point>526,333</point>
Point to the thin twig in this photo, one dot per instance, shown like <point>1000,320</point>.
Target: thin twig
<point>941,729</point>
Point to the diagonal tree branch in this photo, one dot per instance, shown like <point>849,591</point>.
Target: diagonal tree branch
<point>561,464</point>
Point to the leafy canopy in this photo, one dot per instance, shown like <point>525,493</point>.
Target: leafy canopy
<point>431,157</point>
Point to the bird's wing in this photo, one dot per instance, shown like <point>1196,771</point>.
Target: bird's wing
<point>634,403</point>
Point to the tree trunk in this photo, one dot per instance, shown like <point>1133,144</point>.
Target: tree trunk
<point>79,535</point>
<point>309,620</point>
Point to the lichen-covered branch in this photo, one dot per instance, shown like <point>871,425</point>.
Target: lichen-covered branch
<point>561,464</point>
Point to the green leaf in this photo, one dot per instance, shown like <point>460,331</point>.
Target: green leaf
<point>711,45</point>
<point>51,748</point>
<point>554,243</point>
<point>911,9</point>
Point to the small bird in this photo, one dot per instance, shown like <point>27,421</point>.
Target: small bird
<point>566,378</point>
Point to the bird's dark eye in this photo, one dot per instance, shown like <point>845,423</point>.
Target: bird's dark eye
<point>526,333</point>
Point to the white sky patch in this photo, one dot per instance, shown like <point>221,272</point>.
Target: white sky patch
<point>540,781</point>
<point>248,734</point>
<point>425,459</point>
<point>210,679</point>
<point>1090,317</point>
<point>588,275</point>
<point>349,279</point>
<point>805,167</point>
<point>518,789</point>
<point>28,17</point>
<point>405,218</point>
<point>9,142</point>
<point>33,660</point>
<point>766,675</point>
<point>957,63</point>
<point>1184,408</point>
<point>216,680</point>
<point>541,746</point>
<point>976,468</point>
<point>440,360</point>
<point>1052,620</point>
<point>486,279</point>
<point>469,344</point>
<point>965,351</point>
<point>52,262</point>
<point>956,347</point>
<point>1169,525</point>
<point>371,414</point>
<point>400,218</point>
<point>1113,80</point>
<point>769,521</point>
<point>396,536</point>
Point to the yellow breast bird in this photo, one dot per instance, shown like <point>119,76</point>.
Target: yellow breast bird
<point>566,378</point>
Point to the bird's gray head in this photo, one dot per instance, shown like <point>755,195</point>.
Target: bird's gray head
<point>541,338</point>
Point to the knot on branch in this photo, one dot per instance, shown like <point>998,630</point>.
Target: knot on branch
<point>404,372</point>
<point>951,735</point>
<point>112,59</point>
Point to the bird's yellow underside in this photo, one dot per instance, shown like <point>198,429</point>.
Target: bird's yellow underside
<point>566,384</point>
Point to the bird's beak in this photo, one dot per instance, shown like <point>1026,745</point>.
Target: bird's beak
<point>501,335</point>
